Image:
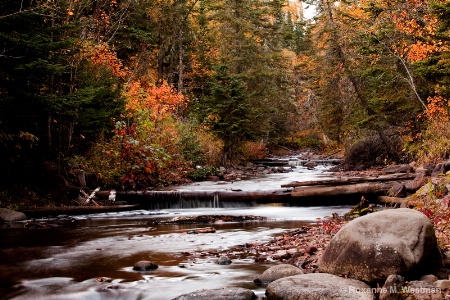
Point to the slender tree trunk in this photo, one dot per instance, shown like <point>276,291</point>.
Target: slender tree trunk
<point>180,61</point>
<point>49,132</point>
<point>160,58</point>
<point>70,134</point>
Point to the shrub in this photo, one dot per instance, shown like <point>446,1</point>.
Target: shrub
<point>198,146</point>
<point>433,201</point>
<point>371,151</point>
<point>431,145</point>
<point>308,139</point>
<point>253,150</point>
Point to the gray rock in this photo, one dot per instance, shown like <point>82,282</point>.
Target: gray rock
<point>421,290</point>
<point>9,215</point>
<point>425,169</point>
<point>442,284</point>
<point>310,164</point>
<point>224,260</point>
<point>145,265</point>
<point>430,278</point>
<point>370,248</point>
<point>318,286</point>
<point>219,294</point>
<point>438,170</point>
<point>392,288</point>
<point>277,272</point>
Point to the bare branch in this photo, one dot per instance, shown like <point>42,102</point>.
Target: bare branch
<point>410,78</point>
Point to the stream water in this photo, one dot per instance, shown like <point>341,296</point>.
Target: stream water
<point>65,263</point>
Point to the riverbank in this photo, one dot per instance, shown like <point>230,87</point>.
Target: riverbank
<point>301,247</point>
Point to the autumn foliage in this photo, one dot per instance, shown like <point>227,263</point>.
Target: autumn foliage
<point>160,101</point>
<point>147,143</point>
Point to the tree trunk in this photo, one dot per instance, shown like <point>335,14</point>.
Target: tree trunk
<point>49,132</point>
<point>351,180</point>
<point>351,189</point>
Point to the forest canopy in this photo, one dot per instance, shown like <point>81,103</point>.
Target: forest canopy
<point>149,92</point>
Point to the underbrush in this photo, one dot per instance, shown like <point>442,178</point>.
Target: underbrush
<point>307,139</point>
<point>371,151</point>
<point>433,201</point>
<point>431,145</point>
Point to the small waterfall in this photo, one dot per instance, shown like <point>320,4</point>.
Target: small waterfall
<point>159,200</point>
<point>326,162</point>
<point>216,200</point>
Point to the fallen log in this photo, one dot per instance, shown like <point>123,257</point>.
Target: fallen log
<point>304,196</point>
<point>350,189</point>
<point>351,180</point>
<point>75,210</point>
<point>228,195</point>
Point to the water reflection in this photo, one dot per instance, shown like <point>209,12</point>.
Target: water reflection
<point>64,263</point>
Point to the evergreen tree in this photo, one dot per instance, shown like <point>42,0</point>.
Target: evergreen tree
<point>228,113</point>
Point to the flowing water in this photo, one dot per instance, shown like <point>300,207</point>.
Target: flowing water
<point>65,263</point>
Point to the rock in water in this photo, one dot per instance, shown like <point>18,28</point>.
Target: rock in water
<point>224,260</point>
<point>277,272</point>
<point>318,286</point>
<point>8,215</point>
<point>219,294</point>
<point>145,265</point>
<point>370,248</point>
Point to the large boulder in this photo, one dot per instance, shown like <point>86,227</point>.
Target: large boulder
<point>277,272</point>
<point>8,215</point>
<point>370,248</point>
<point>318,286</point>
<point>219,294</point>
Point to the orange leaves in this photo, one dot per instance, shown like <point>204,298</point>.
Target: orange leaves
<point>437,108</point>
<point>161,101</point>
<point>420,51</point>
<point>102,56</point>
<point>418,22</point>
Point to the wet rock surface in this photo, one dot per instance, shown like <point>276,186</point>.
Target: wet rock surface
<point>224,260</point>
<point>301,248</point>
<point>219,294</point>
<point>318,286</point>
<point>145,265</point>
<point>62,221</point>
<point>277,272</point>
<point>207,219</point>
<point>9,215</point>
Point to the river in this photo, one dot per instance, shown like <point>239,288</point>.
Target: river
<point>66,263</point>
